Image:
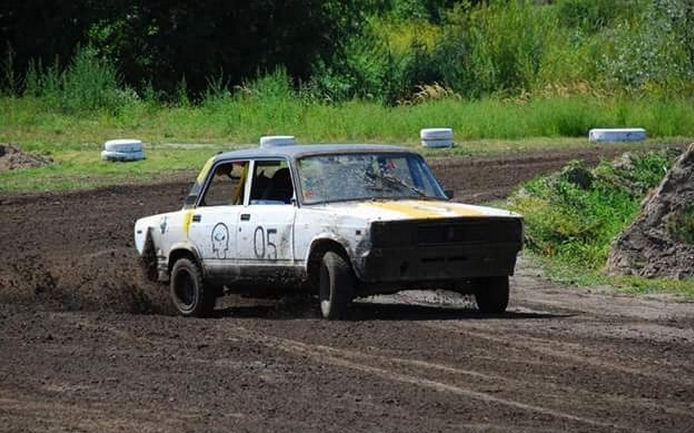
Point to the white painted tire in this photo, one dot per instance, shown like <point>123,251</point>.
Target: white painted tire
<point>123,145</point>
<point>436,137</point>
<point>277,140</point>
<point>617,134</point>
<point>108,155</point>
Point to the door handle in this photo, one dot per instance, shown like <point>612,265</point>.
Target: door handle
<point>196,218</point>
<point>245,217</point>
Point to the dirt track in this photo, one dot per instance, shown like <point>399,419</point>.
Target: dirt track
<point>86,345</point>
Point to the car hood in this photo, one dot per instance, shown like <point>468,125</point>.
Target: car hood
<point>395,210</point>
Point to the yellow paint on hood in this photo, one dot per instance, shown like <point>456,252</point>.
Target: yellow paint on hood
<point>424,210</point>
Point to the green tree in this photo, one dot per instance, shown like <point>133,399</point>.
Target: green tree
<point>163,41</point>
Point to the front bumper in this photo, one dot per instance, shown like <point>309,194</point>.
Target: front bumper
<point>441,250</point>
<point>426,264</point>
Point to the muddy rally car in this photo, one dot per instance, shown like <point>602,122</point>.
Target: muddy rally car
<point>339,221</point>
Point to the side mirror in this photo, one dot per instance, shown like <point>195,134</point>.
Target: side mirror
<point>449,193</point>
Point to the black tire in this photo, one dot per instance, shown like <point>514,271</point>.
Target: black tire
<point>188,293</point>
<point>491,294</point>
<point>336,286</point>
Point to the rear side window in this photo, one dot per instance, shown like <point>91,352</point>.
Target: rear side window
<point>272,183</point>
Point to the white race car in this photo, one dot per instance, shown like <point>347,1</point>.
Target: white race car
<point>341,221</point>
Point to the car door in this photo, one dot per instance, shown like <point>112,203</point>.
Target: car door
<point>265,236</point>
<point>213,221</point>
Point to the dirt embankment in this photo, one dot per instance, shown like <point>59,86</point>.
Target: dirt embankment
<point>13,158</point>
<point>660,242</point>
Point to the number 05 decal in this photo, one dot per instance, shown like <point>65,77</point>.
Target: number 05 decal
<point>264,243</point>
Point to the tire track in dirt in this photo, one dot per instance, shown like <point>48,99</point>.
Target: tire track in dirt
<point>50,415</point>
<point>403,370</point>
<point>563,350</point>
<point>381,366</point>
<point>365,363</point>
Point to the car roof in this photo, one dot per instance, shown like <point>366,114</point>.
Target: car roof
<point>296,151</point>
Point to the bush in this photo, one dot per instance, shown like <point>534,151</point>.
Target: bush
<point>371,70</point>
<point>591,15</point>
<point>514,47</point>
<point>574,216</point>
<point>88,83</point>
<point>651,54</point>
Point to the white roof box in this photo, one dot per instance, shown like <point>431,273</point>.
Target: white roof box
<point>617,134</point>
<point>436,137</point>
<point>277,140</point>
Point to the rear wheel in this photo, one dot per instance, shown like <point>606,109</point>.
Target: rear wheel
<point>336,286</point>
<point>188,293</point>
<point>491,294</point>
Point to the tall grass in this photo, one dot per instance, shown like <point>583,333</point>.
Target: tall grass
<point>87,83</point>
<point>244,116</point>
<point>508,47</point>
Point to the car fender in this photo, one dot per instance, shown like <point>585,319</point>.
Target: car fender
<point>331,237</point>
<point>144,228</point>
<point>182,248</point>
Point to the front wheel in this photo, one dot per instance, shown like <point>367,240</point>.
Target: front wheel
<point>188,293</point>
<point>336,286</point>
<point>491,294</point>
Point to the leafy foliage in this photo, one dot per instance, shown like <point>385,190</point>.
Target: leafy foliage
<point>592,16</point>
<point>575,215</point>
<point>88,83</point>
<point>335,51</point>
<point>162,42</point>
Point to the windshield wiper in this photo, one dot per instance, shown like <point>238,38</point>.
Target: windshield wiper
<point>392,181</point>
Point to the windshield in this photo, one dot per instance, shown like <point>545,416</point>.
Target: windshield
<point>364,176</point>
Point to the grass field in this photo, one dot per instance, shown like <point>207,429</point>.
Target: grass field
<point>486,127</point>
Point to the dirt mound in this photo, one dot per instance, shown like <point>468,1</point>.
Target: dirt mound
<point>13,158</point>
<point>109,280</point>
<point>660,242</point>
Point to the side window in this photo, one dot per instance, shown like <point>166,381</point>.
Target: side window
<point>272,183</point>
<point>227,184</point>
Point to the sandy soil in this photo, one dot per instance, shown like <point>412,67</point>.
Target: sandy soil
<point>87,345</point>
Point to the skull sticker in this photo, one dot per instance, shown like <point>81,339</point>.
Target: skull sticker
<point>220,240</point>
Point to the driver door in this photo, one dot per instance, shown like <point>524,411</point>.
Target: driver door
<point>266,226</point>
